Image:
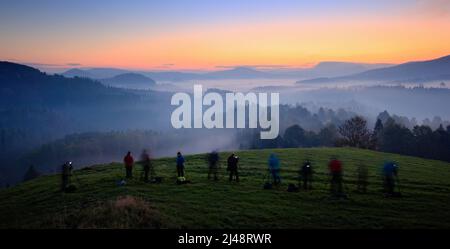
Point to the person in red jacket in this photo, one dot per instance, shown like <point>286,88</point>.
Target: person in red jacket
<point>335,167</point>
<point>128,161</point>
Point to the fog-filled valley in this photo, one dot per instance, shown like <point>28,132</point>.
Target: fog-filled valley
<point>97,115</point>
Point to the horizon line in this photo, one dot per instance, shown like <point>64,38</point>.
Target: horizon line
<point>172,67</point>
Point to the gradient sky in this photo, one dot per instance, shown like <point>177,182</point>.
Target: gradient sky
<point>188,34</point>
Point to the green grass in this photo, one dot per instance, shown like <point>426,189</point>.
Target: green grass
<point>425,186</point>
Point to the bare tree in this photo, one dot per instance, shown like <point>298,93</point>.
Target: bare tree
<point>355,132</point>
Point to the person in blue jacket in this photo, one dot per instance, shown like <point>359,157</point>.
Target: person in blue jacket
<point>180,164</point>
<point>274,168</point>
<point>390,176</point>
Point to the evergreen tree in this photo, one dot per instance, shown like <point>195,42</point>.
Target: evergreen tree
<point>294,136</point>
<point>375,140</point>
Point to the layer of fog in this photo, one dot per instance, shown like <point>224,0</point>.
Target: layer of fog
<point>413,100</point>
<point>368,99</point>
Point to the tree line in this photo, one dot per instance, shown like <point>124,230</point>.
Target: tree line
<point>386,136</point>
<point>389,135</point>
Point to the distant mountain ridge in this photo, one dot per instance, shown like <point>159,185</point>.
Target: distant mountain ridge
<point>94,73</point>
<point>75,72</point>
<point>336,68</point>
<point>323,72</point>
<point>323,69</point>
<point>238,73</point>
<point>130,80</point>
<point>416,71</point>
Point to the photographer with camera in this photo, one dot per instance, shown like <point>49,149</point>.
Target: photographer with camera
<point>65,174</point>
<point>232,167</point>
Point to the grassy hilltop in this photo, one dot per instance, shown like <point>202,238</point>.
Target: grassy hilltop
<point>99,202</point>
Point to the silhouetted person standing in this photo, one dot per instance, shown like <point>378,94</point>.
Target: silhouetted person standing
<point>65,174</point>
<point>390,175</point>
<point>274,168</point>
<point>128,161</point>
<point>180,165</point>
<point>335,167</point>
<point>362,174</point>
<point>306,173</point>
<point>213,164</point>
<point>147,166</point>
<point>232,167</point>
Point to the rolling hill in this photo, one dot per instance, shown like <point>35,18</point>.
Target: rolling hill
<point>94,73</point>
<point>322,69</point>
<point>129,80</point>
<point>75,72</point>
<point>100,203</point>
<point>418,71</point>
<point>238,73</point>
<point>337,68</point>
<point>27,86</point>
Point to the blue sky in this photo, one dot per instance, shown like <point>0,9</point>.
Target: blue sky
<point>54,31</point>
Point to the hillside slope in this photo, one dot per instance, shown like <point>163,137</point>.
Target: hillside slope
<point>129,80</point>
<point>415,71</point>
<point>425,185</point>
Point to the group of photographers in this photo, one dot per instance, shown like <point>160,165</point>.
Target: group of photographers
<point>306,172</point>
